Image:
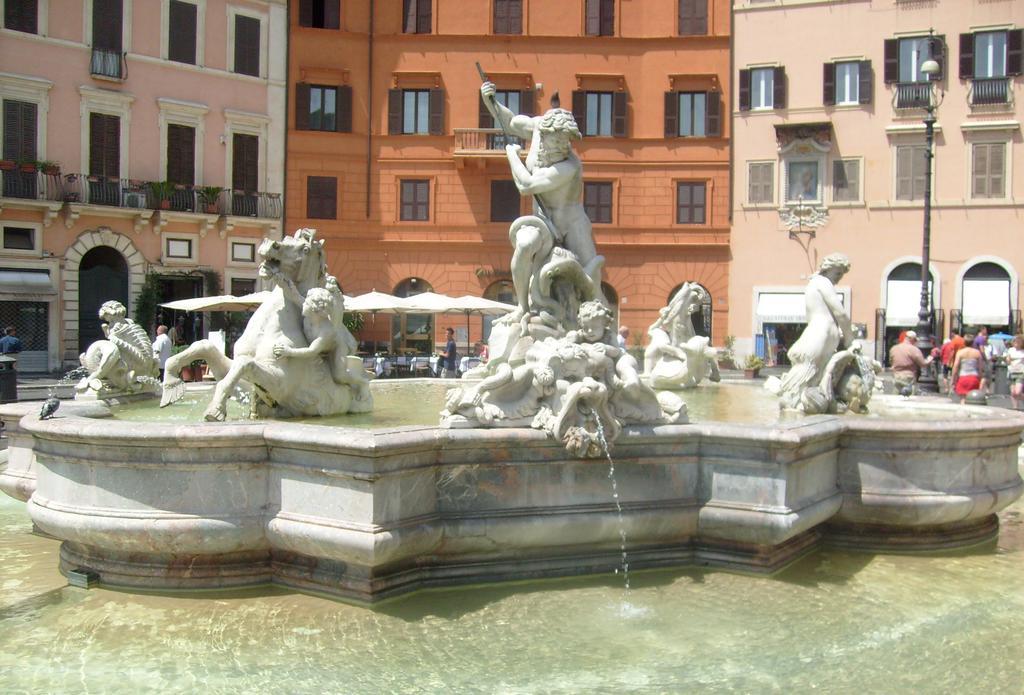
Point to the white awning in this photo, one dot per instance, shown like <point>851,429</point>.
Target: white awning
<point>902,302</point>
<point>26,285</point>
<point>986,302</point>
<point>785,307</point>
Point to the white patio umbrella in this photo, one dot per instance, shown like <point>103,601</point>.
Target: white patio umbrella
<point>377,302</point>
<point>431,302</point>
<point>220,302</point>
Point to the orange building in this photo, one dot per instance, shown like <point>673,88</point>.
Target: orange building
<point>392,158</point>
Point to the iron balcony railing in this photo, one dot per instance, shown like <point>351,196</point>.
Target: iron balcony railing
<point>254,204</point>
<point>107,63</point>
<point>483,141</point>
<point>912,95</point>
<point>990,91</point>
<point>31,185</point>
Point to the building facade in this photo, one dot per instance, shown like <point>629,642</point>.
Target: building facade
<point>392,157</point>
<point>141,138</point>
<point>829,156</point>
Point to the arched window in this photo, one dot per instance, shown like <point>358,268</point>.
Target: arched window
<point>701,319</point>
<point>412,333</point>
<point>985,296</point>
<point>498,291</point>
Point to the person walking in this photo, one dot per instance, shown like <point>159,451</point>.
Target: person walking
<point>907,362</point>
<point>449,357</point>
<point>968,369</point>
<point>162,348</point>
<point>10,343</point>
<point>622,337</point>
<point>1015,370</point>
<point>946,355</point>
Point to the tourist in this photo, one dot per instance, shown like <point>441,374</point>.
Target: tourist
<point>981,338</point>
<point>449,363</point>
<point>907,362</point>
<point>10,343</point>
<point>162,348</point>
<point>968,369</point>
<point>946,355</point>
<point>623,336</point>
<point>1015,369</point>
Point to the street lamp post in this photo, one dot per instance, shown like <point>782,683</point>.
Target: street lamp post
<point>928,380</point>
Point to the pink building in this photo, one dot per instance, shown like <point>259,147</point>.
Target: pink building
<point>142,139</point>
<point>829,155</point>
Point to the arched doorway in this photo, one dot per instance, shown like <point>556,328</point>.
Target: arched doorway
<point>902,304</point>
<point>498,291</point>
<point>985,298</point>
<point>701,320</point>
<point>102,277</point>
<point>412,333</point>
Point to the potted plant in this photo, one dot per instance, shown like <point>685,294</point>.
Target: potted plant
<point>27,165</point>
<point>187,373</point>
<point>161,192</point>
<point>7,165</point>
<point>727,355</point>
<point>210,195</point>
<point>49,168</point>
<point>752,366</point>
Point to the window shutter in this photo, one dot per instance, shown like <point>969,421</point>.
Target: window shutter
<point>247,45</point>
<point>301,106</point>
<point>21,16</point>
<point>515,16</point>
<point>713,127</point>
<point>245,163</point>
<point>332,14</point>
<point>744,90</point>
<point>528,102</point>
<point>29,131</point>
<point>866,82</point>
<point>409,17</point>
<point>671,114</point>
<point>343,120</point>
<point>892,61</point>
<point>305,13</point>
<point>904,173</point>
<point>19,130</point>
<point>1014,41</point>
<point>938,51</point>
<point>181,38</point>
<point>104,145</point>
<point>828,96</point>
<point>181,154</point>
<point>966,56</point>
<point>693,17</point>
<point>436,122</point>
<point>106,25</point>
<point>593,17</point>
<point>579,109</point>
<point>779,89</point>
<point>607,17</point>
<point>394,112</point>
<point>619,114</point>
<point>423,16</point>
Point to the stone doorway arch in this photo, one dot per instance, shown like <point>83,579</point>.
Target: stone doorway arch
<point>86,242</point>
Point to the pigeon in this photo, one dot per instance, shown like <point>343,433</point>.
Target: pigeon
<point>907,391</point>
<point>50,406</point>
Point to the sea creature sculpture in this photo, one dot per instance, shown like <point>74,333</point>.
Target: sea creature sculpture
<point>123,363</point>
<point>677,358</point>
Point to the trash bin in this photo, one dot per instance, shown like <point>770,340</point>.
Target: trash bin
<point>8,379</point>
<point>1000,380</point>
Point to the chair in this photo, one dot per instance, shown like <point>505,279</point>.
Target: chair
<point>420,366</point>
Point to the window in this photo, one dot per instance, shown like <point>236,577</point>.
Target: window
<point>416,112</point>
<point>847,83</point>
<point>760,183</point>
<point>987,59</point>
<point>508,16</point>
<point>247,45</point>
<point>692,114</point>
<point>320,14</point>
<point>597,201</point>
<point>415,202</point>
<point>988,170</point>
<point>322,197</point>
<point>106,38</point>
<point>600,113</point>
<point>179,248</point>
<point>803,181</point>
<point>693,17</point>
<point>904,58</point>
<point>416,16</point>
<point>181,154</point>
<point>19,238</point>
<point>911,164</point>
<point>181,32</point>
<point>505,201</point>
<point>243,286</point>
<point>762,88</point>
<point>516,102</point>
<point>21,15</point>
<point>245,168</point>
<point>691,204</point>
<point>104,145</point>
<point>322,107</point>
<point>243,252</point>
<point>990,54</point>
<point>19,144</point>
<point>846,180</point>
<point>600,17</point>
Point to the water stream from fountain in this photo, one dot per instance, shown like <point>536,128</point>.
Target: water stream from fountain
<point>615,498</point>
<point>70,377</point>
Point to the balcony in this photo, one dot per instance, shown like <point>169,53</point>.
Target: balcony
<point>107,63</point>
<point>29,183</point>
<point>912,95</point>
<point>482,142</point>
<point>990,91</point>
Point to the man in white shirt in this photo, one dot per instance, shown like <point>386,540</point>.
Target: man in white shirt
<point>162,348</point>
<point>622,337</point>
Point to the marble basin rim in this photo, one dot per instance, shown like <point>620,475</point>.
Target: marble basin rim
<point>370,513</point>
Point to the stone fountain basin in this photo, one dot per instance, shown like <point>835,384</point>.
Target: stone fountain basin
<point>367,514</point>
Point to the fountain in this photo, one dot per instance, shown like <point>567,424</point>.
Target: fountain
<point>511,484</point>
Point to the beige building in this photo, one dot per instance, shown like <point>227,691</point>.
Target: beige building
<point>829,155</point>
<point>141,138</point>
